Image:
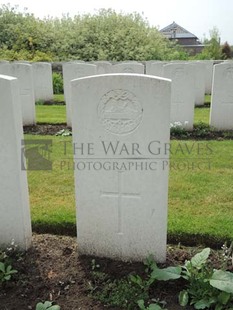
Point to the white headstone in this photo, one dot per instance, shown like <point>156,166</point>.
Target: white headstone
<point>15,220</point>
<point>24,73</point>
<point>78,61</point>
<point>5,68</point>
<point>221,111</point>
<point>199,83</point>
<point>73,71</point>
<point>182,93</point>
<point>208,71</point>
<point>130,67</point>
<point>155,68</point>
<point>128,61</point>
<point>43,80</point>
<point>103,67</point>
<point>209,76</point>
<point>121,127</point>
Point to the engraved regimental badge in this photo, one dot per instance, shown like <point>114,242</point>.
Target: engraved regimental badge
<point>120,111</point>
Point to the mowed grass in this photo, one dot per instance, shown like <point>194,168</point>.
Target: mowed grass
<point>56,114</point>
<point>200,191</point>
<point>201,115</point>
<point>59,98</point>
<point>52,192</point>
<point>50,114</point>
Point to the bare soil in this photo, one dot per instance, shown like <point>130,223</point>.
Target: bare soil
<point>52,270</point>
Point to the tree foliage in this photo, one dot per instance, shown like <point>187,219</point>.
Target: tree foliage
<point>226,51</point>
<point>106,35</point>
<point>212,49</point>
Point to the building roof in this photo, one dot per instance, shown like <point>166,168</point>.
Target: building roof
<point>175,31</point>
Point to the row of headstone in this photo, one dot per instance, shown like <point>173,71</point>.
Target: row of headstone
<point>74,70</point>
<point>42,77</point>
<point>121,121</point>
<point>35,83</point>
<point>205,71</point>
<point>188,89</point>
<point>190,82</point>
<point>218,81</point>
<point>155,68</point>
<point>121,206</point>
<point>198,74</point>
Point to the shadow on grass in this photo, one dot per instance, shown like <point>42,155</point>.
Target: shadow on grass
<point>66,229</point>
<point>186,239</point>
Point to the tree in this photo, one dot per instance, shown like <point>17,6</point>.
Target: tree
<point>106,35</point>
<point>226,51</point>
<point>212,49</point>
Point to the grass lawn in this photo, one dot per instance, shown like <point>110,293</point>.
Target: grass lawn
<point>56,114</point>
<point>52,192</point>
<point>58,97</point>
<point>201,115</point>
<point>51,114</point>
<point>200,196</point>
<point>200,191</point>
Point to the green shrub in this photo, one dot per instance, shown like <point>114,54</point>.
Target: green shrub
<point>207,287</point>
<point>34,56</point>
<point>57,83</point>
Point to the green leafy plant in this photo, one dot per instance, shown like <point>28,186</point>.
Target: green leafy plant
<point>154,274</point>
<point>6,272</point>
<point>131,291</point>
<point>47,305</point>
<point>57,83</point>
<point>201,129</point>
<point>154,306</point>
<point>6,257</point>
<point>207,287</point>
<point>177,129</point>
<point>117,293</point>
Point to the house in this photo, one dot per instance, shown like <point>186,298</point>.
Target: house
<point>183,37</point>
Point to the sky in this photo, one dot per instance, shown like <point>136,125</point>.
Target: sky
<point>197,16</point>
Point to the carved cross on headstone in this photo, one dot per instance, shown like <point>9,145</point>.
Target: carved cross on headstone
<point>120,195</point>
